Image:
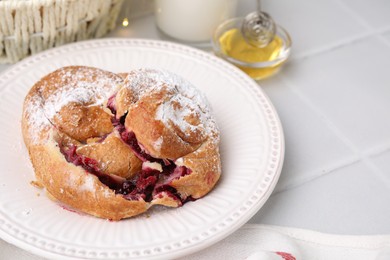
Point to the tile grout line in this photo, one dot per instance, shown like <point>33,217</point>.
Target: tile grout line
<point>342,43</point>
<point>378,150</point>
<point>351,40</point>
<point>365,158</point>
<point>354,14</point>
<point>383,39</point>
<point>377,32</point>
<point>383,30</point>
<point>332,47</point>
<point>303,181</point>
<point>328,122</point>
<point>368,156</point>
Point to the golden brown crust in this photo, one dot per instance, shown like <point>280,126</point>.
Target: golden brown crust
<point>68,108</point>
<point>113,156</point>
<point>205,164</point>
<point>148,129</point>
<point>82,117</point>
<point>75,187</point>
<point>81,122</point>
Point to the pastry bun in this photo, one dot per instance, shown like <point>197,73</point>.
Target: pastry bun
<point>112,145</point>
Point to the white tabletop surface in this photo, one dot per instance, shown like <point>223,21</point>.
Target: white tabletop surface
<point>333,99</point>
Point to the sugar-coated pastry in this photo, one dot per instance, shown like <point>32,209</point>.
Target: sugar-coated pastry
<point>112,145</point>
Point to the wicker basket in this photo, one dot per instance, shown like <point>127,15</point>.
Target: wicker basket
<point>30,26</point>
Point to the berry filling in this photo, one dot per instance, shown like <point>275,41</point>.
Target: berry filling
<point>91,166</point>
<point>149,183</point>
<point>130,139</point>
<point>111,104</point>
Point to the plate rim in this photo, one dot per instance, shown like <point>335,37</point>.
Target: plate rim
<point>6,228</point>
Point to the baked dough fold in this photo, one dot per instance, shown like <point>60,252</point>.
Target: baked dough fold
<point>112,145</point>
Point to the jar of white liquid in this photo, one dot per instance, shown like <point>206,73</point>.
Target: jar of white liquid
<point>193,20</point>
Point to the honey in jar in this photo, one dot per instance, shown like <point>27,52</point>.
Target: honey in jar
<point>257,62</point>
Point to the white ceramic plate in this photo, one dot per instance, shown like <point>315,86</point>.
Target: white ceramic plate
<point>252,149</point>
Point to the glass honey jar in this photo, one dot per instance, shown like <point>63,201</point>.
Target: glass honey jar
<point>230,44</point>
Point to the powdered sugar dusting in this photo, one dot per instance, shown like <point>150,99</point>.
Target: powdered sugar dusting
<point>89,183</point>
<point>144,81</point>
<point>91,87</point>
<point>168,111</point>
<point>187,101</point>
<point>36,118</point>
<point>157,144</point>
<point>85,86</point>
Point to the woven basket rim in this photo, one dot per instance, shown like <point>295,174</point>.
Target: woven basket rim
<point>22,3</point>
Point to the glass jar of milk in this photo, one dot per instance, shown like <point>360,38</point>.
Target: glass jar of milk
<point>192,20</point>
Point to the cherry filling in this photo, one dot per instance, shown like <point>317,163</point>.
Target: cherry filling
<point>130,139</point>
<point>111,104</point>
<point>149,183</point>
<point>91,166</point>
<point>140,187</point>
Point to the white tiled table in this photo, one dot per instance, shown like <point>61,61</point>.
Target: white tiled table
<point>333,98</point>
